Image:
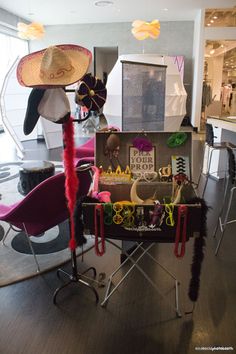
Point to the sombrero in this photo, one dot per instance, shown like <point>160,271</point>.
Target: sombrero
<point>55,66</point>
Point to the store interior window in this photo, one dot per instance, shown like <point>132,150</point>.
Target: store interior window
<point>219,79</point>
<point>219,82</point>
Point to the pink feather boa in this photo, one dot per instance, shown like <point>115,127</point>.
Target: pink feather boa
<point>71,181</point>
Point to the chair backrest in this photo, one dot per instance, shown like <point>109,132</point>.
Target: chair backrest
<point>87,149</point>
<point>209,134</point>
<point>231,165</point>
<point>46,206</point>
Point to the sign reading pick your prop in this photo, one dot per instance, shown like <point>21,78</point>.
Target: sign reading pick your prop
<point>141,160</point>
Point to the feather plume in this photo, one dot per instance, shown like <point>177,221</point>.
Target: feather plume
<point>198,251</point>
<point>71,182</point>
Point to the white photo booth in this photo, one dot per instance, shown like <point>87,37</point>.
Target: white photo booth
<point>175,93</point>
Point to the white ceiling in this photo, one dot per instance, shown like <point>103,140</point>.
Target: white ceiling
<point>52,12</point>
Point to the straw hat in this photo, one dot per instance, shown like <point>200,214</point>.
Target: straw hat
<point>55,66</point>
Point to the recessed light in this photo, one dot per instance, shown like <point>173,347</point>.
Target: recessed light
<point>103,3</point>
<point>215,17</point>
<point>208,24</point>
<point>212,51</point>
<point>212,21</point>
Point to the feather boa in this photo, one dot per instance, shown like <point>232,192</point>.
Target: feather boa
<point>71,181</point>
<point>198,251</point>
<point>78,218</point>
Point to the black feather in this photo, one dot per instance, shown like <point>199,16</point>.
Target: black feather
<point>198,251</point>
<point>78,220</point>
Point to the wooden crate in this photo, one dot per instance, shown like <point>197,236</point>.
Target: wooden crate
<point>159,157</point>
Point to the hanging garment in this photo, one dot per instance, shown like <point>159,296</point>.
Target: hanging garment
<point>225,94</point>
<point>206,95</point>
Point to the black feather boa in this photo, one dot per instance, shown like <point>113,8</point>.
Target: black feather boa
<point>78,220</point>
<point>198,251</point>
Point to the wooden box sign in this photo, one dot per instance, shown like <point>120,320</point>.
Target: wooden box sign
<point>141,160</point>
<point>149,178</point>
<point>143,153</point>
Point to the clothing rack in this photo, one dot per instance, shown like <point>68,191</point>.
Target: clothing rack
<point>74,276</point>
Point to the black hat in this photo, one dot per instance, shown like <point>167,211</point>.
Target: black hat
<point>51,104</point>
<point>32,115</point>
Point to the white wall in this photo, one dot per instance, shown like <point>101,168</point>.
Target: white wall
<point>220,33</point>
<point>176,38</point>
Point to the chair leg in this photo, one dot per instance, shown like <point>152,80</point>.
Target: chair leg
<point>217,226</point>
<point>225,222</point>
<point>5,236</point>
<point>201,173</point>
<point>222,208</point>
<point>31,248</point>
<point>208,170</point>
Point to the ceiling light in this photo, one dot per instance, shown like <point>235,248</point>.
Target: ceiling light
<point>31,31</point>
<point>143,30</point>
<point>208,24</point>
<point>212,51</point>
<point>103,3</point>
<point>215,17</point>
<point>212,21</point>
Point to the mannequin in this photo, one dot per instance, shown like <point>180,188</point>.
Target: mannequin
<point>225,96</point>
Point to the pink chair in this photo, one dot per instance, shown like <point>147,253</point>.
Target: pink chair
<point>42,208</point>
<point>87,149</point>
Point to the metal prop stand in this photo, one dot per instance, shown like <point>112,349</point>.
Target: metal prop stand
<point>74,276</point>
<point>145,251</point>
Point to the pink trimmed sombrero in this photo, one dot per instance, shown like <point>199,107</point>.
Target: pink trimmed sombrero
<point>55,66</point>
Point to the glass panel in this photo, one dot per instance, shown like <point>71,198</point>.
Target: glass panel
<point>11,47</point>
<point>143,96</point>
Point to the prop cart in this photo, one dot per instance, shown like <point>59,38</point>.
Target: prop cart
<point>148,175</point>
